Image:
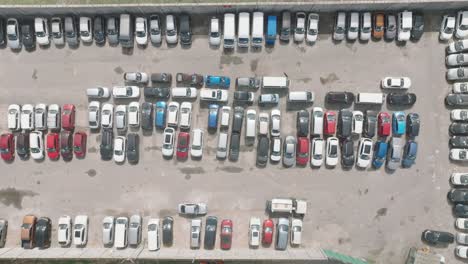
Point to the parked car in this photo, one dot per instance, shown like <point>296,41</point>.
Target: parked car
<point>192,209</point>
<point>460,87</point>
<point>107,144</point>
<point>437,237</point>
<point>120,145</point>
<point>214,32</point>
<point>267,235</point>
<point>141,31</point>
<point>157,92</point>
<point>353,26</point>
<point>263,123</point>
<point>390,26</point>
<point>275,124</point>
<point>13,34</point>
<point>331,158</point>
<point>133,148</point>
<point>459,179</point>
<point>168,142</point>
<point>302,151</point>
<point>108,224</point>
<point>340,26</point>
<point>456,99</point>
<point>213,110</point>
<point>460,210</point>
<point>185,30</point>
<point>398,123</point>
<point>365,26</point>
<point>3,231</point>
<point>41,28</point>
<point>339,98</point>
<point>98,92</point>
<point>457,74</point>
<point>364,153</point>
<point>121,232</point>
<point>161,78</point>
<point>282,234</point>
<point>68,117</point>
<point>107,115</point>
<point>401,99</point>
<point>214,81</point>
<point>370,123</point>
<point>296,232</point>
<point>54,117</point>
<point>225,116</point>
<point>458,128</point>
<point>329,123</point>
<point>226,234</point>
<point>312,27</point>
<point>173,114</point>
<point>123,92</point>
<point>99,30</point>
<point>195,233</point>
<point>147,116</point>
<point>299,29</point>
<point>461,252</point>
<point>458,142</point>
<point>396,82</point>
<point>64,231</point>
<point>28,229</point>
<point>80,230</point>
<point>316,157</point>
<point>358,122</point>
<point>155,30</point>
<point>394,153</point>
<point>418,26</point>
<point>254,232</point>
<point>185,115</point>
<point>211,227</point>
<point>22,145</point>
<point>53,146</point>
<point>380,154</point>
<point>378,26</point>
<point>27,117</point>
<point>302,123</point>
<point>171,30</point>
<point>243,96</point>
<point>461,28</point>
<point>136,78</point>
<point>36,145</point>
<point>457,46</point>
<point>86,33</point>
<point>134,231</point>
<point>248,83</point>
<point>457,154</point>
<point>153,234</point>
<point>40,116</point>
<point>192,80</point>
<point>347,153</point>
<point>13,117</point>
<point>196,151</point>
<point>458,196</point>
<point>167,230</point>
<point>384,124</point>
<point>345,123</point>
<point>234,146</point>
<point>264,99</point>
<point>43,232</point>
<point>28,37</point>
<point>160,114</point>
<point>183,141</point>
<point>112,31</point>
<point>275,149</point>
<point>263,147</point>
<point>121,118</point>
<point>184,92</point>
<point>447,27</point>
<point>7,146</point>
<point>289,151</point>
<point>413,124</point>
<point>217,95</point>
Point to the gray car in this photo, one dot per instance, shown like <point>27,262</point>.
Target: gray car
<point>268,99</point>
<point>394,153</point>
<point>345,123</point>
<point>282,234</point>
<point>112,31</point>
<point>289,151</point>
<point>71,34</point>
<point>3,232</point>
<point>263,146</point>
<point>248,83</point>
<point>234,146</point>
<point>237,119</point>
<point>134,231</point>
<point>390,27</point>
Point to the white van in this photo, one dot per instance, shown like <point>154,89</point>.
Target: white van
<point>184,92</point>
<point>121,230</point>
<point>243,30</point>
<point>257,29</point>
<point>229,31</point>
<point>251,124</point>
<point>275,82</point>
<point>405,24</point>
<point>369,98</point>
<point>221,151</point>
<point>301,97</point>
<point>280,205</point>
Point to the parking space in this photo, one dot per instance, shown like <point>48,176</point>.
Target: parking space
<point>374,214</point>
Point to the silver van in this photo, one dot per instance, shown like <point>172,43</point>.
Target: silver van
<point>285,31</point>
<point>282,234</point>
<point>126,31</point>
<point>71,35</point>
<point>248,83</point>
<point>112,31</point>
<point>221,151</point>
<point>301,97</point>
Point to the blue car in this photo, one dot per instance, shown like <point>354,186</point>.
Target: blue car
<point>160,116</point>
<point>217,81</point>
<point>409,154</point>
<point>213,116</point>
<point>380,154</point>
<point>271,31</point>
<point>398,123</point>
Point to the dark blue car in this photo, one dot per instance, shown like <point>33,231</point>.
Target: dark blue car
<point>160,116</point>
<point>409,154</point>
<point>380,154</point>
<point>213,116</point>
<point>217,81</point>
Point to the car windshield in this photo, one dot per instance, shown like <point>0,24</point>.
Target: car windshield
<point>459,45</point>
<point>35,150</point>
<point>464,26</point>
<point>170,32</point>
<point>331,117</point>
<point>226,229</point>
<point>141,34</point>
<point>448,30</point>
<point>134,225</point>
<point>152,227</point>
<point>460,72</point>
<point>463,154</point>
<point>214,34</point>
<point>333,151</point>
<point>4,150</point>
<point>84,33</point>
<point>460,58</point>
<point>358,117</point>
<point>107,225</point>
<point>63,226</point>
<point>155,31</point>
<point>312,31</point>
<point>401,118</point>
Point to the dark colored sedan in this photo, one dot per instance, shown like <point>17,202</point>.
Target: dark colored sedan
<point>210,232</point>
<point>183,141</point>
<point>147,116</point>
<point>458,128</point>
<point>157,92</point>
<point>237,119</point>
<point>401,99</point>
<point>66,145</point>
<point>437,237</point>
<point>345,123</point>
<point>370,123</point>
<point>458,142</point>
<point>22,145</point>
<point>418,26</point>
<point>43,232</point>
<point>412,124</point>
<point>263,146</point>
<point>460,210</point>
<point>409,154</point>
<point>107,144</point>
<point>458,196</point>
<point>133,148</point>
<point>192,80</point>
<point>161,78</point>
<point>28,37</point>
<point>302,123</point>
<point>347,153</point>
<point>339,98</point>
<point>234,146</point>
<point>243,96</point>
<point>456,99</point>
<point>167,230</point>
<point>99,31</point>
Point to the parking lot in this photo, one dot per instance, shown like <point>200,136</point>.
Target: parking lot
<point>376,215</point>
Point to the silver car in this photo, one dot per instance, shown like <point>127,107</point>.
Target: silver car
<point>453,60</point>
<point>394,153</point>
<point>108,230</point>
<point>195,233</point>
<point>282,234</point>
<point>390,27</point>
<point>457,74</point>
<point>155,29</point>
<point>134,231</point>
<point>112,31</point>
<point>192,208</point>
<point>289,151</point>
<point>3,232</point>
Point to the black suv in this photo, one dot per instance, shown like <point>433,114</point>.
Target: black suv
<point>147,116</point>
<point>28,37</point>
<point>347,153</point>
<point>237,119</point>
<point>99,31</point>
<point>401,99</point>
<point>263,147</point>
<point>156,92</point>
<point>43,232</point>
<point>234,146</point>
<point>339,98</point>
<point>437,237</point>
<point>185,30</point>
<point>370,123</point>
<point>345,123</point>
<point>210,232</point>
<point>167,230</point>
<point>418,26</point>
<point>22,145</point>
<point>302,123</point>
<point>133,148</point>
<point>107,144</point>
<point>412,124</point>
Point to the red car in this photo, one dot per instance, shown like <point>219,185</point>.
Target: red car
<point>267,236</point>
<point>302,152</point>
<point>53,147</point>
<point>68,117</point>
<point>384,124</point>
<point>79,144</point>
<point>226,234</point>
<point>329,123</point>
<point>183,141</point>
<point>7,146</point>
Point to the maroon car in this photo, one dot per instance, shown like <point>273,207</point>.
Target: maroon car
<point>79,144</point>
<point>7,146</point>
<point>183,141</point>
<point>68,117</point>
<point>66,145</point>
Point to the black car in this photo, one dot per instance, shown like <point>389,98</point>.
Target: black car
<point>344,128</point>
<point>237,119</point>
<point>302,123</point>
<point>210,232</point>
<point>418,26</point>
<point>458,196</point>
<point>412,124</point>
<point>107,144</point>
<point>147,116</point>
<point>401,99</point>
<point>157,92</point>
<point>263,146</point>
<point>2,32</point>
<point>370,123</point>
<point>43,232</point>
<point>243,96</point>
<point>456,99</point>
<point>99,30</point>
<point>339,98</point>
<point>28,37</point>
<point>66,145</point>
<point>234,146</point>
<point>458,128</point>
<point>22,145</point>
<point>458,142</point>
<point>167,230</point>
<point>185,30</point>
<point>347,153</point>
<point>437,237</point>
<point>161,78</point>
<point>460,210</point>
<point>133,147</point>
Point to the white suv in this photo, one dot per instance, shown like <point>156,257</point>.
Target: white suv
<point>42,31</point>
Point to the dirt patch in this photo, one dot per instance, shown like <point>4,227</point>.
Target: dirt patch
<point>188,171</point>
<point>305,80</point>
<point>230,169</point>
<point>118,70</point>
<point>92,150</point>
<point>329,78</point>
<point>253,65</point>
<point>167,212</point>
<point>34,74</point>
<point>228,59</point>
<point>91,172</point>
<point>151,148</point>
<point>381,212</point>
<point>11,196</point>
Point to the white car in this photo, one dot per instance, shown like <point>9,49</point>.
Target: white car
<point>462,238</point>
<point>107,115</point>
<point>275,129</point>
<point>41,28</point>
<point>275,153</point>
<point>254,232</point>
<point>365,26</point>
<point>98,92</point>
<point>136,77</point>
<point>36,145</point>
<point>358,122</point>
<point>192,209</point>
<point>184,92</point>
<point>215,34</point>
<point>460,87</point>
<point>447,27</point>
<point>317,119</point>
<point>27,117</point>
<point>459,154</point>
<point>353,26</point>
<point>461,29</point>
<point>195,233</point>
<point>57,31</point>
<point>86,32</point>
<point>461,252</point>
<point>80,230</point>
<point>225,114</point>
<point>312,29</point>
<point>155,29</point>
<point>396,82</point>
<point>461,223</point>
<point>454,60</point>
<point>173,114</point>
<point>459,115</point>
<point>64,231</point>
<point>185,115</point>
<point>296,232</point>
<point>222,146</point>
<point>108,230</point>
<point>263,123</point>
<point>126,92</point>
<point>120,144</point>
<point>134,114</point>
<point>455,74</point>
<point>153,234</point>
<point>316,157</point>
<point>13,34</point>
<point>405,24</point>
<point>168,142</point>
<point>196,151</point>
<point>141,31</point>
<point>251,123</point>
<point>40,116</point>
<point>215,95</point>
<point>459,179</point>
<point>340,26</point>
<point>364,154</point>
<point>457,46</point>
<point>331,158</point>
<point>171,30</point>
<point>121,118</point>
<point>54,117</point>
<point>14,111</point>
<point>299,30</point>
<point>121,232</point>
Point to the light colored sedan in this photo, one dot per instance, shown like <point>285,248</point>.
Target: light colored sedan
<point>108,224</point>
<point>126,92</point>
<point>316,158</point>
<point>27,117</point>
<point>289,151</point>
<point>107,116</point>
<point>54,117</point>
<point>14,111</point>
<point>459,154</point>
<point>225,114</point>
<point>134,114</point>
<point>195,233</point>
<point>94,114</point>
<point>141,31</point>
<point>331,158</point>
<point>447,27</point>
<point>215,95</point>
<point>155,29</point>
<point>121,118</point>
<point>296,232</point>
<point>64,231</point>
<point>457,46</point>
<point>80,230</point>
<point>275,153</point>
<point>358,122</point>
<point>196,151</point>
<point>457,74</point>
<point>461,28</point>
<point>461,252</point>
<point>214,33</point>
<point>136,77</point>
<point>459,115</point>
<point>364,153</point>
<point>185,115</point>
<point>36,145</point>
<point>173,114</point>
<point>396,82</point>
<point>353,26</point>
<point>459,179</point>
<point>193,209</point>
<point>254,232</point>
<point>461,223</point>
<point>299,30</point>
<point>275,129</point>
<point>454,60</point>
<point>153,234</point>
<point>40,116</point>
<point>462,238</point>
<point>460,87</point>
<point>119,149</point>
<point>168,142</point>
<point>134,230</point>
<point>263,123</point>
<point>312,30</point>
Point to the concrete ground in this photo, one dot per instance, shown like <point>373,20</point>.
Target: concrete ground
<point>372,214</point>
